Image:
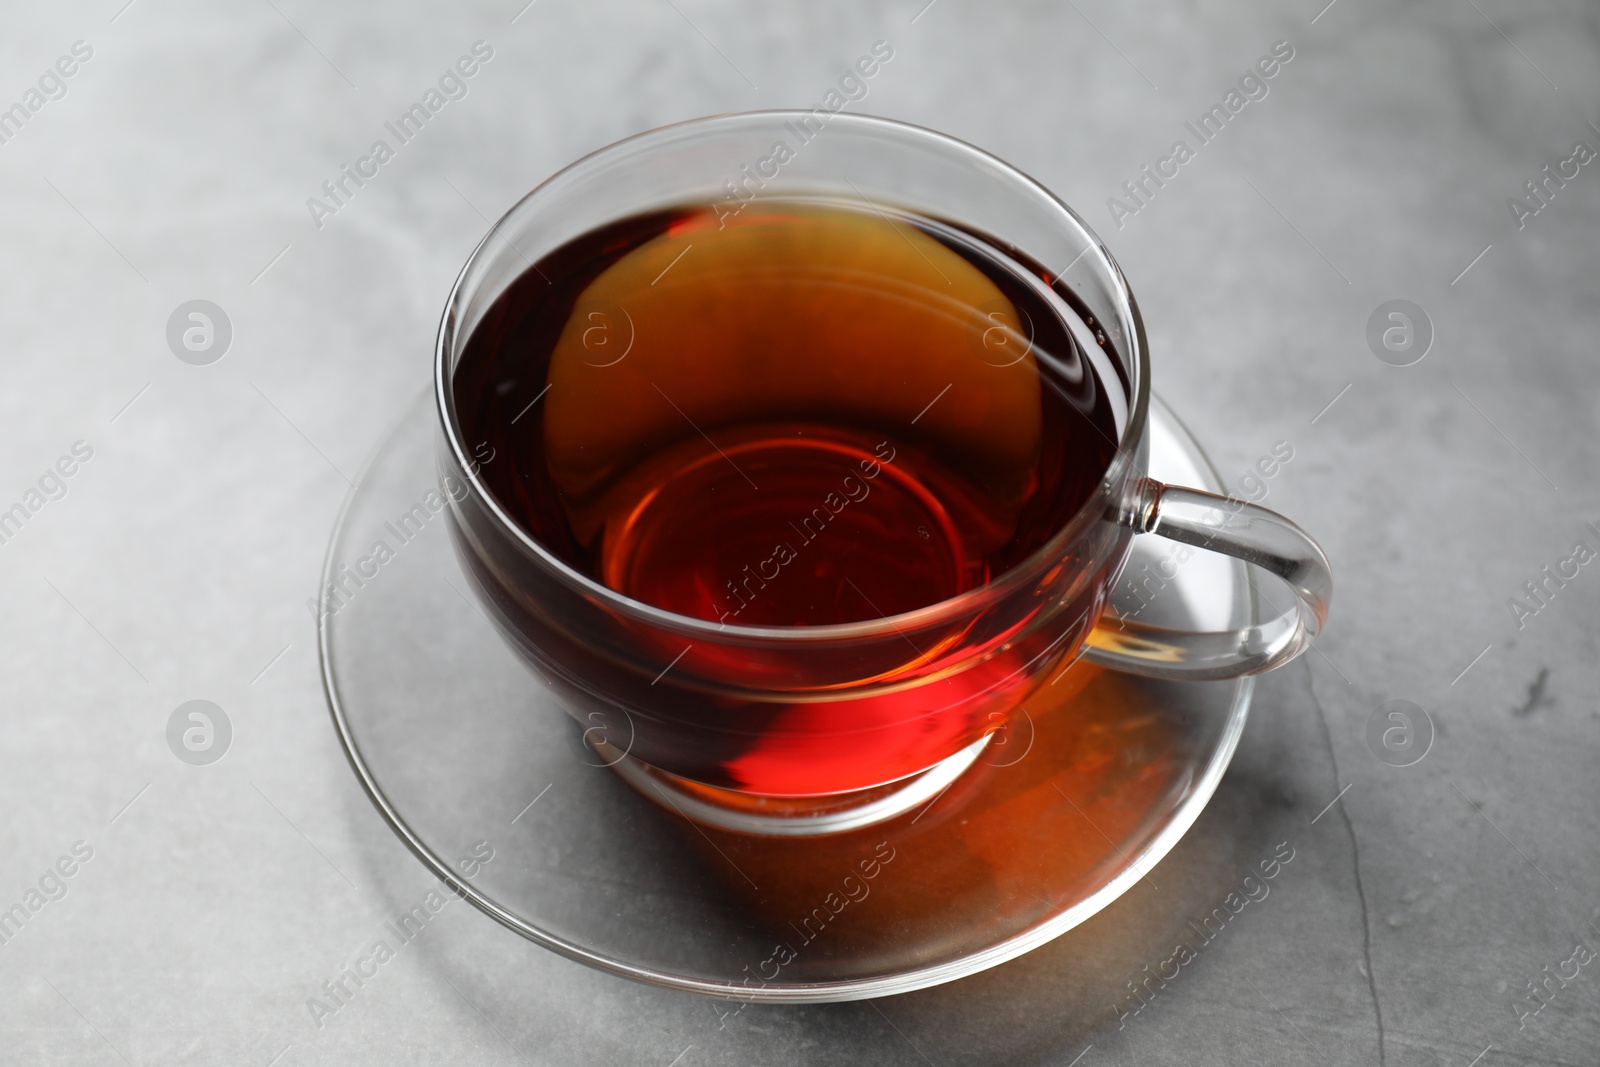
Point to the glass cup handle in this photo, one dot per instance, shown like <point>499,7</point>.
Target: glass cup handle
<point>1234,528</point>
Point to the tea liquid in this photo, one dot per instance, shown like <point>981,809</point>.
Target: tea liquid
<point>808,413</point>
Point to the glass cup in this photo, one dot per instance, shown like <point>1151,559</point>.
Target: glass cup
<point>817,729</point>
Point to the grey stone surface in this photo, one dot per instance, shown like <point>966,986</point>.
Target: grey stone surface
<point>218,898</point>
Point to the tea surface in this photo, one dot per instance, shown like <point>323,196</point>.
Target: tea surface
<point>812,413</point>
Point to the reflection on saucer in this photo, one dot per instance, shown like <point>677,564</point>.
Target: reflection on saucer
<point>1106,761</point>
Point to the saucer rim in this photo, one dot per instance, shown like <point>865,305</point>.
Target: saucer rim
<point>1179,821</point>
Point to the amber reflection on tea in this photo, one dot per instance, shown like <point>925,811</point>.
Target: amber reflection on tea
<point>805,415</point>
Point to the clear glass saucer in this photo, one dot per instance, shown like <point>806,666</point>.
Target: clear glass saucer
<point>489,783</point>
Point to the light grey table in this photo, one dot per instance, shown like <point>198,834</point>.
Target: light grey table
<point>175,163</point>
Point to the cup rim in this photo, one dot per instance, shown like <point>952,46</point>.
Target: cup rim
<point>972,600</point>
